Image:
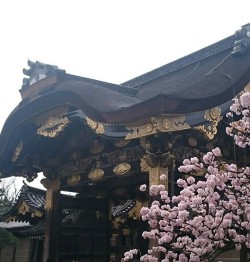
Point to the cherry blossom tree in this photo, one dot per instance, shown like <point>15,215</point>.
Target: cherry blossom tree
<point>211,214</point>
<point>7,197</point>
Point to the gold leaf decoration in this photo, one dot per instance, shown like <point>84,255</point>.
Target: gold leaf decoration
<point>53,126</point>
<point>212,115</point>
<point>96,174</point>
<point>157,125</point>
<point>73,180</point>
<point>23,208</point>
<point>121,169</point>
<point>95,126</point>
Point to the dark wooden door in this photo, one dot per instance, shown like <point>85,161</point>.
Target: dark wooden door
<point>84,231</point>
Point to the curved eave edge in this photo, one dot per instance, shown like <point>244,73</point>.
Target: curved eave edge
<point>203,121</point>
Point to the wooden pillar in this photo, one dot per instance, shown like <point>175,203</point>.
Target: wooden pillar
<point>155,171</point>
<point>156,162</point>
<point>52,220</point>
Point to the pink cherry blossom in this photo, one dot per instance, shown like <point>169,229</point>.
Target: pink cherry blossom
<point>210,213</point>
<point>163,177</point>
<point>143,187</point>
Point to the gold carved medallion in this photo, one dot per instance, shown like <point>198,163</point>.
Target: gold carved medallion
<point>121,169</point>
<point>73,180</point>
<point>96,174</point>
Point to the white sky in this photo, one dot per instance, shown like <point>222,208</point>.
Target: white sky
<point>108,40</point>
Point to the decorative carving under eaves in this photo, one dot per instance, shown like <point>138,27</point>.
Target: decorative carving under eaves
<point>121,169</point>
<point>73,180</point>
<point>154,171</point>
<point>95,126</point>
<point>96,174</point>
<point>81,138</point>
<point>17,151</point>
<point>212,115</point>
<point>101,161</point>
<point>153,160</point>
<point>183,153</point>
<point>157,125</point>
<point>53,126</point>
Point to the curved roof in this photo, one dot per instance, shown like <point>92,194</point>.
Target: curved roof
<point>29,205</point>
<point>188,87</point>
<point>202,80</point>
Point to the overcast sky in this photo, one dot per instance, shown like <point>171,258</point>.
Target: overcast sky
<point>108,40</point>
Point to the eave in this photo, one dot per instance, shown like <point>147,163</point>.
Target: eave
<point>175,97</point>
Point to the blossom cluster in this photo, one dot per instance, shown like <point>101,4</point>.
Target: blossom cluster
<point>240,129</point>
<point>211,213</point>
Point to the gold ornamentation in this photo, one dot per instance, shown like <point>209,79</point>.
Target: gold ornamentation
<point>17,151</point>
<point>154,173</point>
<point>96,126</point>
<point>157,125</point>
<point>23,208</point>
<point>153,160</point>
<point>121,169</point>
<point>109,159</point>
<point>53,126</point>
<point>37,213</point>
<point>96,174</point>
<point>212,115</point>
<point>117,222</point>
<point>73,180</point>
<point>135,212</point>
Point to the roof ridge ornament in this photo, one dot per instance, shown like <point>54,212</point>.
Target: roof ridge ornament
<point>38,71</point>
<point>243,40</point>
